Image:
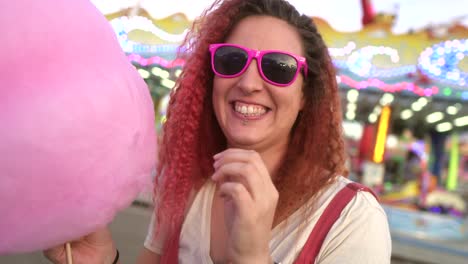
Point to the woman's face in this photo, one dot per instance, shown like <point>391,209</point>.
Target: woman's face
<point>272,109</point>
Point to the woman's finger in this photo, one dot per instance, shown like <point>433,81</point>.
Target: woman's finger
<point>241,172</point>
<point>245,156</point>
<point>56,254</point>
<point>238,194</point>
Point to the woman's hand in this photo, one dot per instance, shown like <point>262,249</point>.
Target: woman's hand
<point>250,200</point>
<point>94,248</point>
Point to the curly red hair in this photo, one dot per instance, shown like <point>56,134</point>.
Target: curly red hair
<point>191,135</point>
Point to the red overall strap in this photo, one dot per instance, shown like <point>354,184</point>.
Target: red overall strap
<point>327,219</point>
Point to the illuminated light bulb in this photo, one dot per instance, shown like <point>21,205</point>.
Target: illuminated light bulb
<point>352,129</point>
<point>164,74</point>
<point>447,91</point>
<point>464,95</point>
<point>144,73</point>
<point>350,115</point>
<point>406,114</point>
<point>461,121</point>
<point>452,110</point>
<point>377,110</point>
<point>156,71</point>
<point>441,61</point>
<point>423,101</point>
<point>352,95</point>
<point>351,107</point>
<point>444,127</point>
<point>392,141</point>
<point>387,98</point>
<point>168,83</point>
<point>434,117</point>
<point>372,118</point>
<point>416,106</point>
<point>440,50</point>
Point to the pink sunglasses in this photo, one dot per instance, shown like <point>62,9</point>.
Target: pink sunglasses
<point>276,67</point>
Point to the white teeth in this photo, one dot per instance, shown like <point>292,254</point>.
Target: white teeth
<point>249,110</point>
<point>244,109</point>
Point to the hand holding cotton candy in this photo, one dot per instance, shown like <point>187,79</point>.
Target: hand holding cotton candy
<point>77,137</point>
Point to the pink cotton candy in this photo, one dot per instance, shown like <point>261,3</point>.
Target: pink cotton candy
<point>77,135</point>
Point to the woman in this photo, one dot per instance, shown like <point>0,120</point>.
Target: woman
<point>252,150</point>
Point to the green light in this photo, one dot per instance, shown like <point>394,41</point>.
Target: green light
<point>388,186</point>
<point>453,164</point>
<point>447,91</point>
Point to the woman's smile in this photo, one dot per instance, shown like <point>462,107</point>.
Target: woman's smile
<point>250,111</point>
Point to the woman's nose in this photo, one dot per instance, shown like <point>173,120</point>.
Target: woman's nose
<point>251,80</point>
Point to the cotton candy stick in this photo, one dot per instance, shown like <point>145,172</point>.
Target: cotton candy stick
<point>69,253</point>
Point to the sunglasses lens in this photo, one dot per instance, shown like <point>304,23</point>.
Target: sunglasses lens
<point>279,68</point>
<point>229,60</point>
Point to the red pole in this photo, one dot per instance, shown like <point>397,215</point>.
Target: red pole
<point>368,14</point>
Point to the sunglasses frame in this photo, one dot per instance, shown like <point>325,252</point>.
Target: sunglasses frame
<point>258,56</point>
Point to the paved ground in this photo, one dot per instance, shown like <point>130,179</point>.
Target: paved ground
<point>129,229</point>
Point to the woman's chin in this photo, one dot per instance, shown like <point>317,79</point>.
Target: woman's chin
<point>244,142</point>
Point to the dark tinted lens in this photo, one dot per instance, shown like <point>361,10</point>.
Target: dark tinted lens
<point>278,67</point>
<point>229,60</point>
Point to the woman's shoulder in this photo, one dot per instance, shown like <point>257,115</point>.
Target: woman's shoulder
<point>361,228</point>
<point>361,204</point>
<point>360,208</point>
<point>363,200</point>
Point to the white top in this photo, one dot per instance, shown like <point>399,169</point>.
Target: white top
<point>360,235</point>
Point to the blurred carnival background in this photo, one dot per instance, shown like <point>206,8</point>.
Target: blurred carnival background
<point>403,79</point>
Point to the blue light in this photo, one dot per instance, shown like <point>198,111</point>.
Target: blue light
<point>123,25</point>
<point>435,209</point>
<point>442,65</point>
<point>464,95</point>
<point>360,63</point>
